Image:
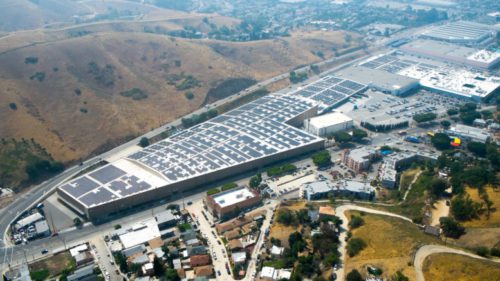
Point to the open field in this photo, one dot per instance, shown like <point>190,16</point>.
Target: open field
<point>459,268</point>
<point>55,264</point>
<point>484,221</point>
<point>479,237</point>
<point>391,243</point>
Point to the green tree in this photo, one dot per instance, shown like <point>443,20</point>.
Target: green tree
<point>437,187</point>
<point>342,137</point>
<point>452,111</point>
<point>446,124</point>
<point>464,208</point>
<point>158,267</point>
<point>358,134</point>
<point>477,148</point>
<point>255,180</point>
<point>322,158</point>
<point>144,142</point>
<point>355,222</point>
<point>77,222</point>
<point>286,216</point>
<point>354,246</point>
<point>354,275</point>
<point>451,228</point>
<point>424,117</point>
<point>171,275</point>
<point>441,141</point>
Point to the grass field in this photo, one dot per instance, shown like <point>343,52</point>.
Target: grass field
<point>406,178</point>
<point>391,243</point>
<point>460,268</point>
<point>483,221</point>
<point>479,237</point>
<point>54,264</point>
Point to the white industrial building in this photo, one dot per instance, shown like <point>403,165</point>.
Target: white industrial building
<point>462,32</point>
<point>469,133</point>
<point>328,124</point>
<point>446,52</point>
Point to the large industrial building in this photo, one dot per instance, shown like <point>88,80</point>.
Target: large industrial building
<point>328,124</point>
<point>380,80</point>
<point>249,137</point>
<point>461,55</point>
<point>438,77</point>
<point>230,203</point>
<point>462,32</point>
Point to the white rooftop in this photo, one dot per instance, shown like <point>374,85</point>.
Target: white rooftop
<point>29,220</point>
<point>484,56</point>
<point>239,257</point>
<point>233,196</point>
<point>140,233</point>
<point>78,249</point>
<point>329,119</point>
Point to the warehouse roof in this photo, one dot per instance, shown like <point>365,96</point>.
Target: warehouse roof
<point>378,78</point>
<point>460,30</point>
<point>329,119</point>
<point>253,131</point>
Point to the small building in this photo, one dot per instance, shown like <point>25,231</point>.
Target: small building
<point>78,249</point>
<point>166,219</point>
<point>177,263</point>
<point>277,251</point>
<point>204,271</point>
<point>234,245</point>
<point>239,257</point>
<point>270,273</point>
<point>148,269</point>
<point>230,203</point>
<point>326,212</point>
<point>196,250</point>
<point>328,124</point>
<point>469,133</point>
<point>83,258</point>
<point>83,274</point>
<point>42,228</point>
<point>432,230</point>
<point>31,219</point>
<point>199,260</point>
<point>479,123</point>
<point>135,250</point>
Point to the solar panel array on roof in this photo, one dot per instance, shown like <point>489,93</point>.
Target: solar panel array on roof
<point>460,31</point>
<point>252,131</point>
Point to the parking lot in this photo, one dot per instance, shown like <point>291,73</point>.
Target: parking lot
<point>380,108</point>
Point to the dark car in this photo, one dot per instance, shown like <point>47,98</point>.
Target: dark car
<point>189,203</point>
<point>45,251</point>
<point>218,272</point>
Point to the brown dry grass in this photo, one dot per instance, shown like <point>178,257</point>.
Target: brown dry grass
<point>55,264</point>
<point>479,237</point>
<point>460,268</point>
<point>483,221</point>
<point>391,243</point>
<point>49,111</point>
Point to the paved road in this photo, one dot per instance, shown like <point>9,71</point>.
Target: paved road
<point>340,211</point>
<point>428,250</point>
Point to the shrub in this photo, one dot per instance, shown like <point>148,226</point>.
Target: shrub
<point>482,251</point>
<point>118,226</point>
<point>83,110</point>
<point>451,228</point>
<point>354,246</point>
<point>135,94</point>
<point>13,106</point>
<point>40,76</point>
<point>424,117</point>
<point>31,60</point>
<point>228,186</point>
<point>356,222</point>
<point>40,275</point>
<point>144,142</point>
<point>213,191</point>
<point>441,141</point>
<point>495,252</point>
<point>354,275</point>
<point>189,95</point>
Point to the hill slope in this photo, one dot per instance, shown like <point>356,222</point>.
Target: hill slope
<point>74,95</point>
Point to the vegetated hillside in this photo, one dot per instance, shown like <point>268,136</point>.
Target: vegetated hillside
<point>76,95</point>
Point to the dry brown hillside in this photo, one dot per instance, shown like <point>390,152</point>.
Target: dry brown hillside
<point>67,90</point>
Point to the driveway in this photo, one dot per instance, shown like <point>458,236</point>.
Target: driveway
<point>428,250</point>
